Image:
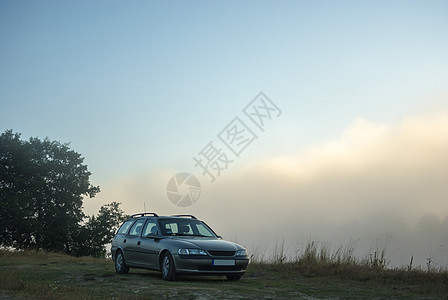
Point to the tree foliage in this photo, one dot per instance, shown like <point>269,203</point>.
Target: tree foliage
<point>42,187</point>
<point>97,231</point>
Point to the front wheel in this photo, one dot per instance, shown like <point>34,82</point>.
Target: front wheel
<point>233,277</point>
<point>120,264</point>
<point>168,268</point>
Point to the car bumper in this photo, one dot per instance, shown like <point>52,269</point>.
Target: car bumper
<point>113,252</point>
<point>208,265</point>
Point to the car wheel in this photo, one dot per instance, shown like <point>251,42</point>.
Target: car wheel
<point>233,277</point>
<point>168,268</point>
<point>120,264</point>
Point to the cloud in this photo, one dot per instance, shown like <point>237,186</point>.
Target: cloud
<point>372,166</point>
<point>376,179</point>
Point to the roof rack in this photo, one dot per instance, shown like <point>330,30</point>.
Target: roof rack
<point>191,216</point>
<point>144,214</point>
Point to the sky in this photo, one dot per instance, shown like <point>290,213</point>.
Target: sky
<point>355,151</point>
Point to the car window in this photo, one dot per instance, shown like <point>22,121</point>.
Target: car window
<point>136,229</point>
<point>150,228</point>
<point>170,228</point>
<point>124,228</point>
<point>203,230</point>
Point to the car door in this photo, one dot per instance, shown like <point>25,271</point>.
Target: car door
<point>132,241</point>
<point>148,249</point>
<point>120,237</point>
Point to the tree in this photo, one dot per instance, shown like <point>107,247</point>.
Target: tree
<point>98,231</point>
<point>42,186</point>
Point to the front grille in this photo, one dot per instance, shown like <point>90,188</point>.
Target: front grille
<point>222,253</point>
<point>219,268</point>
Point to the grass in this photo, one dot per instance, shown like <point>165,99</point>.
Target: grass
<point>316,272</point>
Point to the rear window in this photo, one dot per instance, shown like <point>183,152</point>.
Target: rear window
<point>124,228</point>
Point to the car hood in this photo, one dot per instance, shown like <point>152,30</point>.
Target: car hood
<point>208,244</point>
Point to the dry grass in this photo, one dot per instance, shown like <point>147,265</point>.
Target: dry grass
<point>33,255</point>
<point>317,259</point>
<point>316,271</point>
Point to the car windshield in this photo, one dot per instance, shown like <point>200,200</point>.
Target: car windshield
<point>185,228</point>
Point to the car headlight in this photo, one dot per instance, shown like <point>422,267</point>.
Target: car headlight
<point>191,252</point>
<point>241,253</point>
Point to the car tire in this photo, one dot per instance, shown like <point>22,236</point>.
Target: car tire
<point>120,264</point>
<point>168,268</point>
<point>233,277</point>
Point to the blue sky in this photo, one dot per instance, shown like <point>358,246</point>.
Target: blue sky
<point>152,81</point>
<point>139,87</point>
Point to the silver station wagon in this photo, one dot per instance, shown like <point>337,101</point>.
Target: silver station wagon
<point>175,245</point>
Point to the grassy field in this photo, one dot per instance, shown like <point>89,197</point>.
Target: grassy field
<point>40,275</point>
